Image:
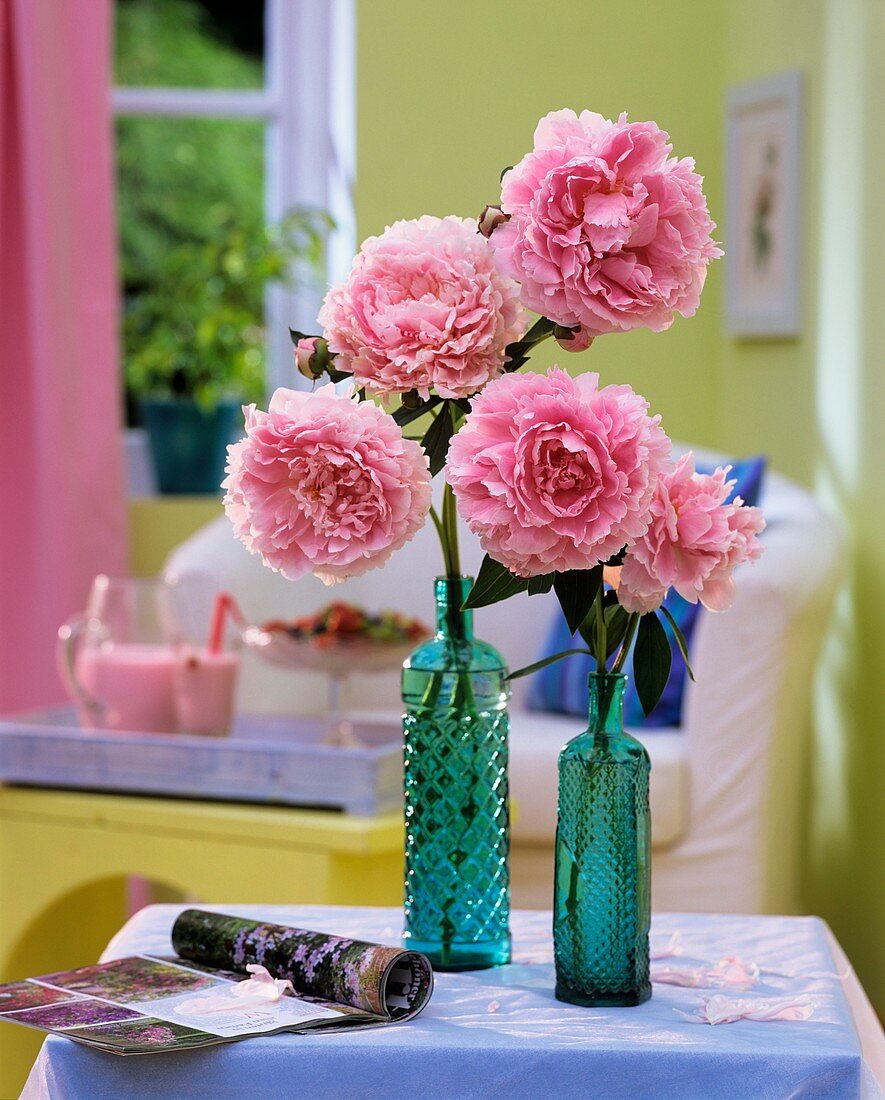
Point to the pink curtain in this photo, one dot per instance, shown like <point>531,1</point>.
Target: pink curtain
<point>62,510</point>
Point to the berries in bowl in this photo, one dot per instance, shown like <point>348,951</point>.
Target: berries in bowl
<point>339,639</point>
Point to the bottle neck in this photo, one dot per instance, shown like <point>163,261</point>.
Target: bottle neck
<point>606,692</point>
<point>451,621</point>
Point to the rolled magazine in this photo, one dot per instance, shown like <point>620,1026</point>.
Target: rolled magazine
<point>385,981</point>
<point>231,978</point>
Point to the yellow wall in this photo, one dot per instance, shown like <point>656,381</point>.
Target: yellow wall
<point>767,391</point>
<point>449,92</point>
<point>815,405</point>
<point>158,524</point>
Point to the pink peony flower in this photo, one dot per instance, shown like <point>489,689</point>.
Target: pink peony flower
<point>606,229</point>
<point>425,307</point>
<point>324,483</point>
<point>553,473</point>
<point>693,544</point>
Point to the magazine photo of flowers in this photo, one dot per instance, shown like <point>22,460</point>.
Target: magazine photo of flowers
<point>68,1014</point>
<point>142,1036</point>
<point>29,994</point>
<point>129,980</point>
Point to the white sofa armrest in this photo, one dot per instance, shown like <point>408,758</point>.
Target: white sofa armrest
<point>746,720</point>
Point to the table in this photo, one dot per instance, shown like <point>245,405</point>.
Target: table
<point>501,1033</point>
<point>65,857</point>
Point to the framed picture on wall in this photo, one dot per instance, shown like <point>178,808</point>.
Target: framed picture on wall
<point>763,207</point>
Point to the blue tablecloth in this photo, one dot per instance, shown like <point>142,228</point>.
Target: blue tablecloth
<point>501,1033</point>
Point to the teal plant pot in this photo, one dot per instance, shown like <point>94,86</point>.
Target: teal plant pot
<point>189,443</point>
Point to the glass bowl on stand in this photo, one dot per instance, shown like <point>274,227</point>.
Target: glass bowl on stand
<point>338,658</point>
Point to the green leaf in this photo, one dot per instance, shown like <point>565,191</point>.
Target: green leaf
<point>493,583</point>
<point>544,583</point>
<point>651,662</point>
<point>563,332</point>
<point>616,623</point>
<point>514,362</point>
<point>680,639</point>
<point>587,630</point>
<point>529,669</point>
<point>576,591</point>
<point>517,353</point>
<point>404,416</point>
<point>436,439</point>
<point>541,328</point>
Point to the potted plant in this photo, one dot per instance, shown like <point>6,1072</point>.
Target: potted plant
<point>195,341</point>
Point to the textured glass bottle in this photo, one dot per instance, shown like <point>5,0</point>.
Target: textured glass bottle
<point>601,905</point>
<point>455,726</point>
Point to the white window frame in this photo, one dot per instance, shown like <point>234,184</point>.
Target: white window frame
<point>308,106</point>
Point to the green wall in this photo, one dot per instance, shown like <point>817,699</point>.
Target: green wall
<point>449,93</point>
<point>815,405</point>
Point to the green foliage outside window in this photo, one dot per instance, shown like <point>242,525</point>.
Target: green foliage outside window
<point>196,254</point>
<point>198,332</point>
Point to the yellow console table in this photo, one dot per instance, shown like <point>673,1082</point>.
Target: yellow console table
<point>65,857</point>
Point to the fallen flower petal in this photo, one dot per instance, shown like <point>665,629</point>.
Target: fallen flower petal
<point>723,1010</point>
<point>674,975</point>
<point>733,971</point>
<point>672,948</point>
<point>262,986</point>
<point>242,996</point>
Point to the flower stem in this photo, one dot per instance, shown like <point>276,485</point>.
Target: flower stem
<point>443,542</point>
<point>450,526</point>
<point>449,509</point>
<point>627,642</point>
<point>601,635</point>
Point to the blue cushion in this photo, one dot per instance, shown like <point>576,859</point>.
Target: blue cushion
<point>562,687</point>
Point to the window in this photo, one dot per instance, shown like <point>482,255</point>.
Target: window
<point>269,128</point>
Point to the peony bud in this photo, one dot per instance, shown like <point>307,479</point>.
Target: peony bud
<point>304,350</point>
<point>312,358</point>
<point>490,219</point>
<point>572,339</point>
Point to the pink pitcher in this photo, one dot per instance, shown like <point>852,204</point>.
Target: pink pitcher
<point>118,659</point>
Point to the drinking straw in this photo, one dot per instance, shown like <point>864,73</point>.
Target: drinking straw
<point>223,606</point>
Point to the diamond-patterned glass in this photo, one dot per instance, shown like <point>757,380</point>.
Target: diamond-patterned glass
<point>602,891</point>
<point>455,727</point>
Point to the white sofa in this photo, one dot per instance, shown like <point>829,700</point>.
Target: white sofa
<point>725,786</point>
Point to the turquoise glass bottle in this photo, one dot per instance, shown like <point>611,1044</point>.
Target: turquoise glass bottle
<point>601,907</point>
<point>455,727</point>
